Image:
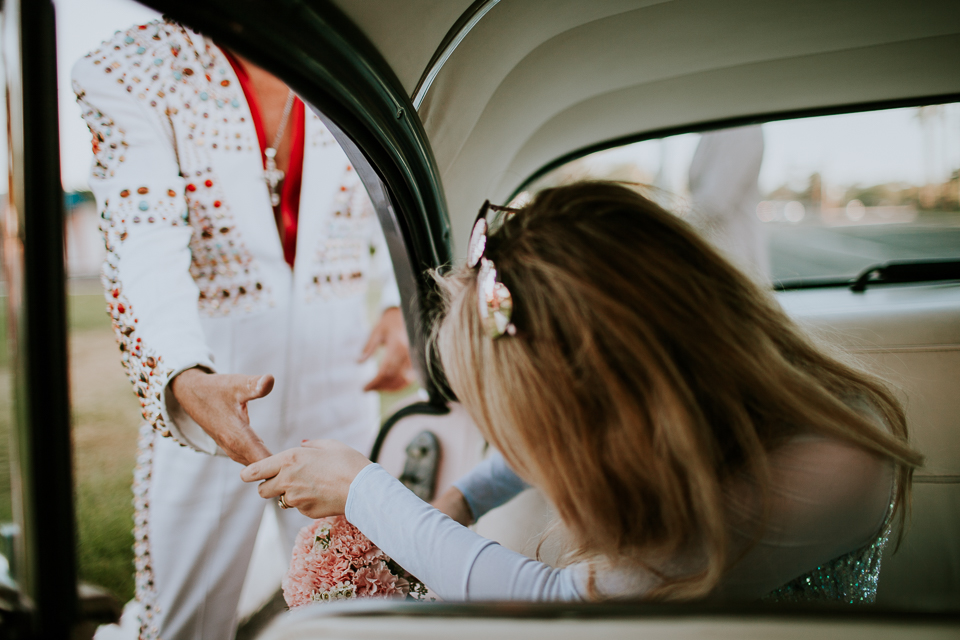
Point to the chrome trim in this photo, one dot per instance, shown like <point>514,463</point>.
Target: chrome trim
<point>451,41</point>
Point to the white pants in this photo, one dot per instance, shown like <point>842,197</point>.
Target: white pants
<point>202,523</point>
<point>197,522</point>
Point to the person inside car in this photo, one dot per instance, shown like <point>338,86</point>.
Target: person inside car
<point>691,438</point>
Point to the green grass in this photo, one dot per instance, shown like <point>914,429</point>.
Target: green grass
<point>6,419</point>
<point>105,417</point>
<point>88,312</point>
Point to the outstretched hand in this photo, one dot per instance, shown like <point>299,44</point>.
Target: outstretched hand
<point>395,370</point>
<point>315,478</point>
<point>218,403</point>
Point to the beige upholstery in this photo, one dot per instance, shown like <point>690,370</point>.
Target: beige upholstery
<point>533,81</point>
<point>910,335</point>
<point>518,525</point>
<point>407,33</point>
<point>461,445</point>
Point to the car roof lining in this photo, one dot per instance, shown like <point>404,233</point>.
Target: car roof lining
<point>467,20</point>
<point>390,29</point>
<point>528,86</point>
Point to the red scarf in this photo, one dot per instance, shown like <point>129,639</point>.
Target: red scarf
<point>289,209</point>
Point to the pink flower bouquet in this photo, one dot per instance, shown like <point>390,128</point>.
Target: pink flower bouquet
<point>333,560</point>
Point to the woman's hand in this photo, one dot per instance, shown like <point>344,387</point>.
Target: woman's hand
<point>315,479</point>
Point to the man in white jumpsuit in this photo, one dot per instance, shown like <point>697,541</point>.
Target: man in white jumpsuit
<point>219,271</point>
<point>723,186</point>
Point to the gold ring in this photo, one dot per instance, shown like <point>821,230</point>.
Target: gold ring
<point>283,503</point>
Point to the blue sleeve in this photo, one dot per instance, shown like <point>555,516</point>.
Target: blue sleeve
<point>489,485</point>
<point>454,562</point>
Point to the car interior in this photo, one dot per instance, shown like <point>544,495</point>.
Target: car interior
<point>443,104</point>
<point>550,87</point>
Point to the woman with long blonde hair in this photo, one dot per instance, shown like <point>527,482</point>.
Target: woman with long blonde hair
<point>691,438</point>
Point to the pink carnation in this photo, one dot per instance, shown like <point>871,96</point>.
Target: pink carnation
<point>333,560</point>
<point>376,581</point>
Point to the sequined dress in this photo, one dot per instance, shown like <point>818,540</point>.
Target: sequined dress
<point>851,578</point>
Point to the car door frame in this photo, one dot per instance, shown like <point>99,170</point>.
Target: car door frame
<point>339,73</point>
<point>321,54</point>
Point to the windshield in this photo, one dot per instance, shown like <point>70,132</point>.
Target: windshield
<point>810,198</point>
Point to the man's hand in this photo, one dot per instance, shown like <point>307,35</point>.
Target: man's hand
<point>395,371</point>
<point>314,478</point>
<point>218,403</point>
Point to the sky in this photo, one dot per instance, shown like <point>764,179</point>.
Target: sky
<point>81,26</point>
<point>866,148</point>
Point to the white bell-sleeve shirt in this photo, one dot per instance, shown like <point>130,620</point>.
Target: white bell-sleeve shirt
<point>828,498</point>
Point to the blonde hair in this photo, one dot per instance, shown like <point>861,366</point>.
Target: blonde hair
<point>645,372</point>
